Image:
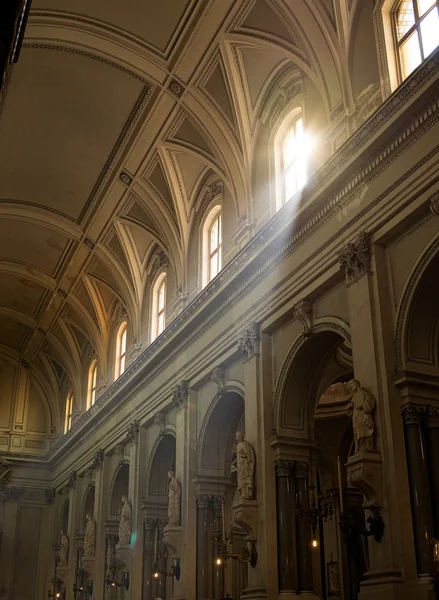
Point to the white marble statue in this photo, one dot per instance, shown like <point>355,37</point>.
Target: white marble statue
<point>125,522</point>
<point>174,495</point>
<point>90,536</point>
<point>244,465</point>
<point>360,408</point>
<point>63,550</point>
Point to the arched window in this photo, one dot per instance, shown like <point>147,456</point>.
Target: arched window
<point>293,160</point>
<point>121,349</point>
<point>69,412</point>
<point>416,27</point>
<point>212,250</point>
<point>91,389</point>
<point>158,320</point>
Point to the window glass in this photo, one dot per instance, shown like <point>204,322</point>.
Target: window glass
<point>69,411</point>
<point>123,347</point>
<point>294,154</point>
<point>430,32</point>
<point>410,55</point>
<point>405,18</point>
<point>215,247</point>
<point>92,377</point>
<point>161,307</point>
<point>424,5</point>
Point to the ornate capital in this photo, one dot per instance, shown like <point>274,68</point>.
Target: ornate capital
<point>301,469</point>
<point>5,473</point>
<point>355,258</point>
<point>149,523</point>
<point>203,500</point>
<point>49,495</point>
<point>71,482</point>
<point>432,416</point>
<point>283,467</point>
<point>434,203</point>
<point>218,376</point>
<point>98,460</point>
<point>248,341</point>
<point>413,414</point>
<point>11,494</point>
<point>303,312</point>
<point>133,432</point>
<point>180,394</point>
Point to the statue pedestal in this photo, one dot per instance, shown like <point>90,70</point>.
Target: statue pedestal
<point>88,564</point>
<point>124,556</point>
<point>245,514</point>
<point>62,573</point>
<point>364,473</point>
<point>172,535</point>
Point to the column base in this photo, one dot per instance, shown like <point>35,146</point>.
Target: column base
<point>254,593</point>
<point>288,594</point>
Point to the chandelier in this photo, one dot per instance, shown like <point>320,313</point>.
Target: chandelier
<point>314,513</point>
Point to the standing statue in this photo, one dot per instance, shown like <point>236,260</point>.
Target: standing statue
<point>90,536</point>
<point>360,407</point>
<point>125,522</point>
<point>244,465</point>
<point>63,550</point>
<point>174,494</point>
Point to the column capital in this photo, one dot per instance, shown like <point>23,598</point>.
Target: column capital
<point>248,341</point>
<point>203,500</point>
<point>5,473</point>
<point>283,467</point>
<point>432,416</point>
<point>133,432</point>
<point>434,203</point>
<point>98,460</point>
<point>149,523</point>
<point>180,394</point>
<point>413,414</point>
<point>11,494</point>
<point>355,258</point>
<point>301,469</point>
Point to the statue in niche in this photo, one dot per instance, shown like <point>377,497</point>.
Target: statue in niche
<point>244,465</point>
<point>174,495</point>
<point>90,536</point>
<point>63,549</point>
<point>125,522</point>
<point>360,408</point>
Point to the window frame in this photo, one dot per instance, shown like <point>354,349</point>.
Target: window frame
<point>68,412</point>
<point>160,280</point>
<point>121,356</point>
<point>214,211</point>
<point>92,383</point>
<point>415,27</point>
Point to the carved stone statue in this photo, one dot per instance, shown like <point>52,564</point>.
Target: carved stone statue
<point>90,536</point>
<point>360,407</point>
<point>174,495</point>
<point>125,522</point>
<point>244,465</point>
<point>63,550</point>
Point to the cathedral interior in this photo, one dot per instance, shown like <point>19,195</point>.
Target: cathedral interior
<point>219,299</point>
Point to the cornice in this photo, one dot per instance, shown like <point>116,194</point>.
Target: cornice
<point>268,234</point>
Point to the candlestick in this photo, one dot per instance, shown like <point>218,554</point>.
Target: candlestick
<point>340,484</point>
<point>223,520</point>
<point>155,543</point>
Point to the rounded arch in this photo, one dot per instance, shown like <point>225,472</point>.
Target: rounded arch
<point>119,487</point>
<point>64,518</point>
<point>418,313</point>
<point>217,434</point>
<point>88,503</point>
<point>307,369</point>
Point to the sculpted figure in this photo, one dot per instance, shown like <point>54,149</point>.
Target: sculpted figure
<point>125,522</point>
<point>360,407</point>
<point>63,550</point>
<point>90,536</point>
<point>174,494</point>
<point>244,465</point>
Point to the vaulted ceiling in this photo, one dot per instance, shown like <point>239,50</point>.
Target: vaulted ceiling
<point>115,116</point>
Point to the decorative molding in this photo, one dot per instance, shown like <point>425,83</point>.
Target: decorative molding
<point>133,432</point>
<point>49,495</point>
<point>5,473</point>
<point>126,178</point>
<point>355,258</point>
<point>11,494</point>
<point>215,189</point>
<point>180,394</point>
<point>203,500</point>
<point>301,469</point>
<point>89,243</point>
<point>218,376</point>
<point>248,341</point>
<point>364,473</point>
<point>303,311</point>
<point>283,467</point>
<point>413,414</point>
<point>160,421</point>
<point>98,460</point>
<point>434,203</point>
<point>176,88</point>
<point>432,416</point>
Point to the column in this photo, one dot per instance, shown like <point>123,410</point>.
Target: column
<point>433,462</point>
<point>285,512</point>
<point>202,570</point>
<point>73,525</point>
<point>149,528</point>
<point>419,485</point>
<point>100,464</point>
<point>303,529</point>
<point>217,569</point>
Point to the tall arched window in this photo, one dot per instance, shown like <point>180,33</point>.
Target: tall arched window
<point>416,27</point>
<point>293,160</point>
<point>212,247</point>
<point>91,388</point>
<point>69,412</point>
<point>158,313</point>
<point>121,349</point>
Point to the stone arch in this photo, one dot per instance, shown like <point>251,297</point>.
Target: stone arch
<point>119,487</point>
<point>88,503</point>
<point>418,312</point>
<point>162,461</point>
<point>310,366</point>
<point>217,435</point>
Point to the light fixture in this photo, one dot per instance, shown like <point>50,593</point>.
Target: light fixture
<point>314,543</point>
<point>313,513</point>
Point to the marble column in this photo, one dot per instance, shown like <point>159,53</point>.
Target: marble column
<point>285,514</point>
<point>303,529</point>
<point>202,567</point>
<point>149,528</point>
<point>433,462</point>
<point>419,485</point>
